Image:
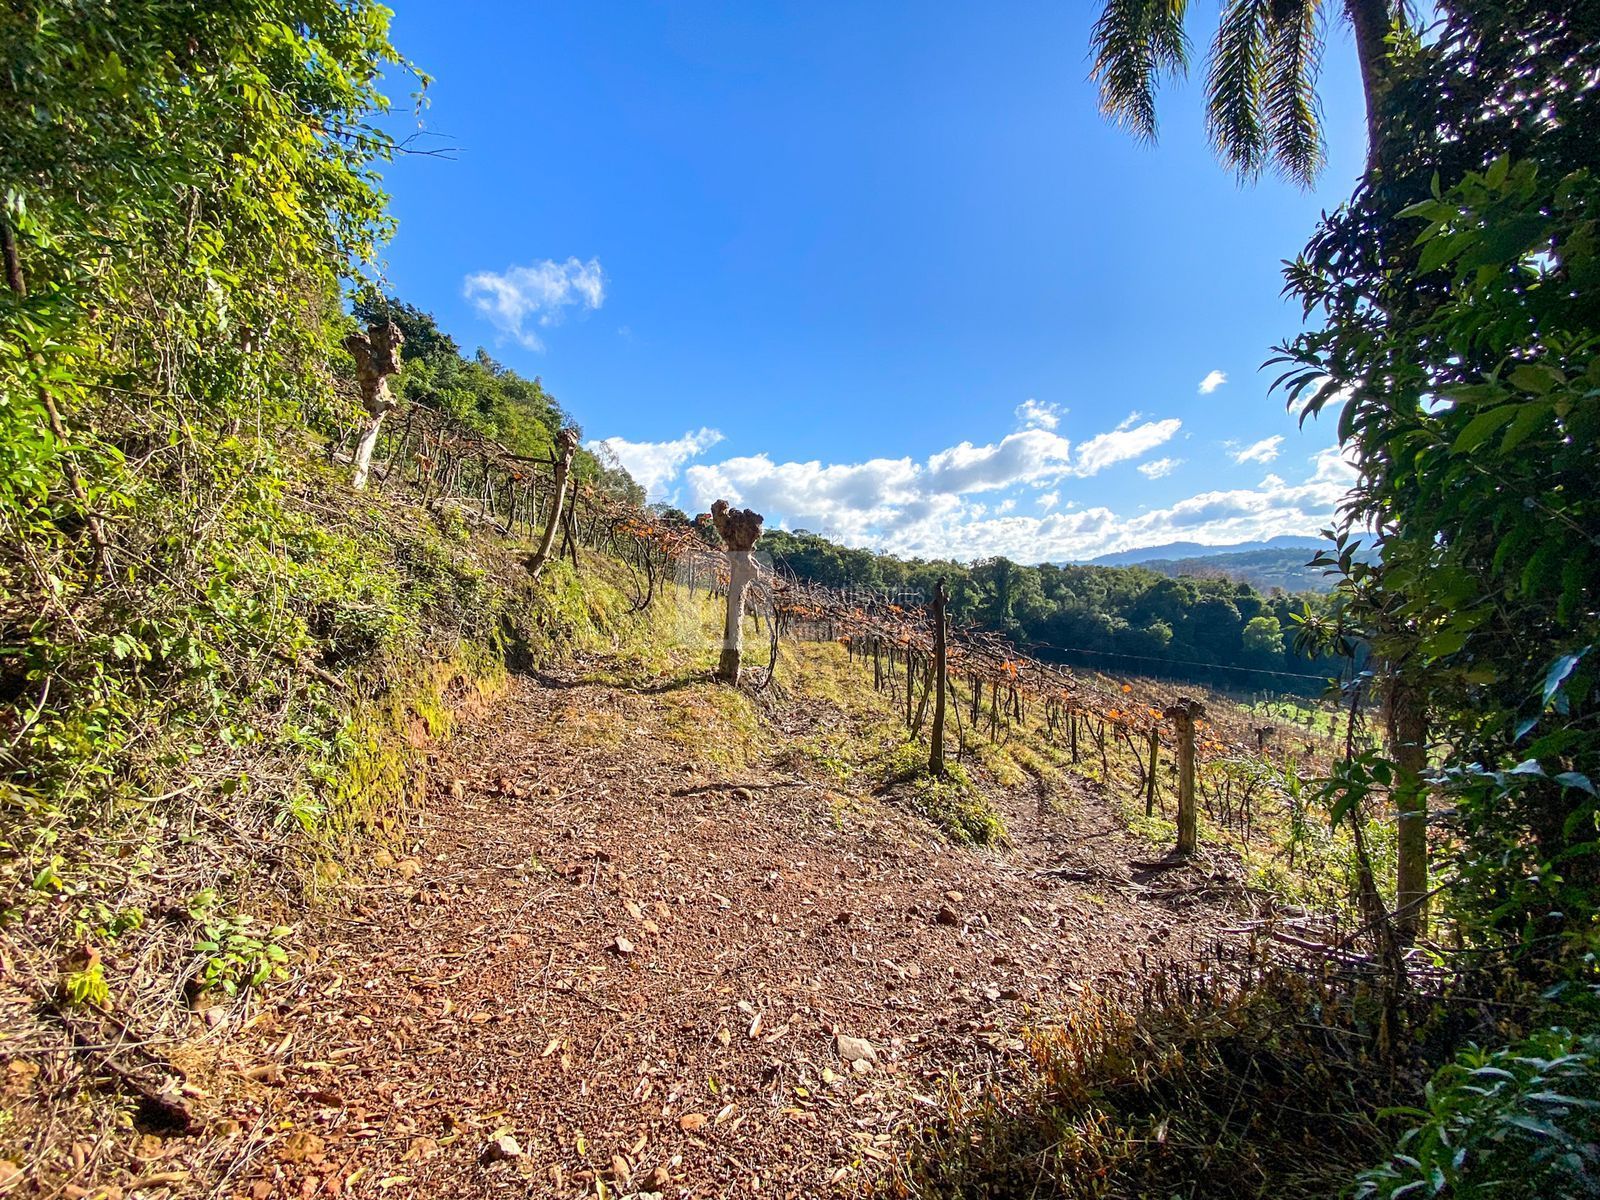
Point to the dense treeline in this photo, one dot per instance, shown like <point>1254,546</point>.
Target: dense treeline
<point>1217,631</point>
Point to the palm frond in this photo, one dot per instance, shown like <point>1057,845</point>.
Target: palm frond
<point>1293,119</point>
<point>1236,83</point>
<point>1138,43</point>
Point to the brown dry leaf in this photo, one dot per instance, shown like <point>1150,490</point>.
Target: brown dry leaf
<point>755,1027</point>
<point>690,1122</point>
<point>723,1036</point>
<point>299,1146</point>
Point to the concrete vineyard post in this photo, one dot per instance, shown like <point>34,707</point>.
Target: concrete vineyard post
<point>739,529</point>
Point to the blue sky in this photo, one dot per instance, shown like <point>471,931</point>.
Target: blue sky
<point>879,270</point>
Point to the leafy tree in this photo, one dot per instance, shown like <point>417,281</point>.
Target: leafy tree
<point>1263,640</point>
<point>1459,299</point>
<point>187,189</point>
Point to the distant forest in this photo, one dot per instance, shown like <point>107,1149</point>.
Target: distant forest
<point>1216,631</point>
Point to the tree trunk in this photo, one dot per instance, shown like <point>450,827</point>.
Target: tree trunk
<point>1407,727</point>
<point>377,355</point>
<point>739,571</point>
<point>936,753</point>
<point>567,445</point>
<point>364,448</point>
<point>1372,24</point>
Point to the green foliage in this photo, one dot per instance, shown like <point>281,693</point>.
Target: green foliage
<point>1460,301</point>
<point>953,803</point>
<point>1519,1121</point>
<point>87,987</point>
<point>236,951</point>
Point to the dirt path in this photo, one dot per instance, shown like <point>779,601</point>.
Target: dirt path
<point>637,967</point>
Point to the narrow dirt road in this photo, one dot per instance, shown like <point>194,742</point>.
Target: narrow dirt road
<point>610,967</point>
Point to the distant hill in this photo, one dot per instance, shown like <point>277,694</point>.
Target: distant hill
<point>1186,551</point>
<point>1261,569</point>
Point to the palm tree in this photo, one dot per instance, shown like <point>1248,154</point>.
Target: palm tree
<point>1261,99</point>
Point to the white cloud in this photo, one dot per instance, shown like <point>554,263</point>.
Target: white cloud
<point>1031,414</point>
<point>1124,442</point>
<point>1212,381</point>
<point>538,294</point>
<point>654,464</point>
<point>1159,468</point>
<point>1263,451</point>
<point>968,501</point>
<point>1031,456</point>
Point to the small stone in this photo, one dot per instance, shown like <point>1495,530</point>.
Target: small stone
<point>501,1149</point>
<point>622,945</point>
<point>949,916</point>
<point>861,1066</point>
<point>690,1122</point>
<point>853,1049</point>
<point>954,896</point>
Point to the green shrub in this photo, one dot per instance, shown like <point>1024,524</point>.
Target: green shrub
<point>1520,1121</point>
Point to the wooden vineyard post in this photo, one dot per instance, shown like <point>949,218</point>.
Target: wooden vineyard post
<point>936,753</point>
<point>1150,778</point>
<point>377,355</point>
<point>739,529</point>
<point>1183,715</point>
